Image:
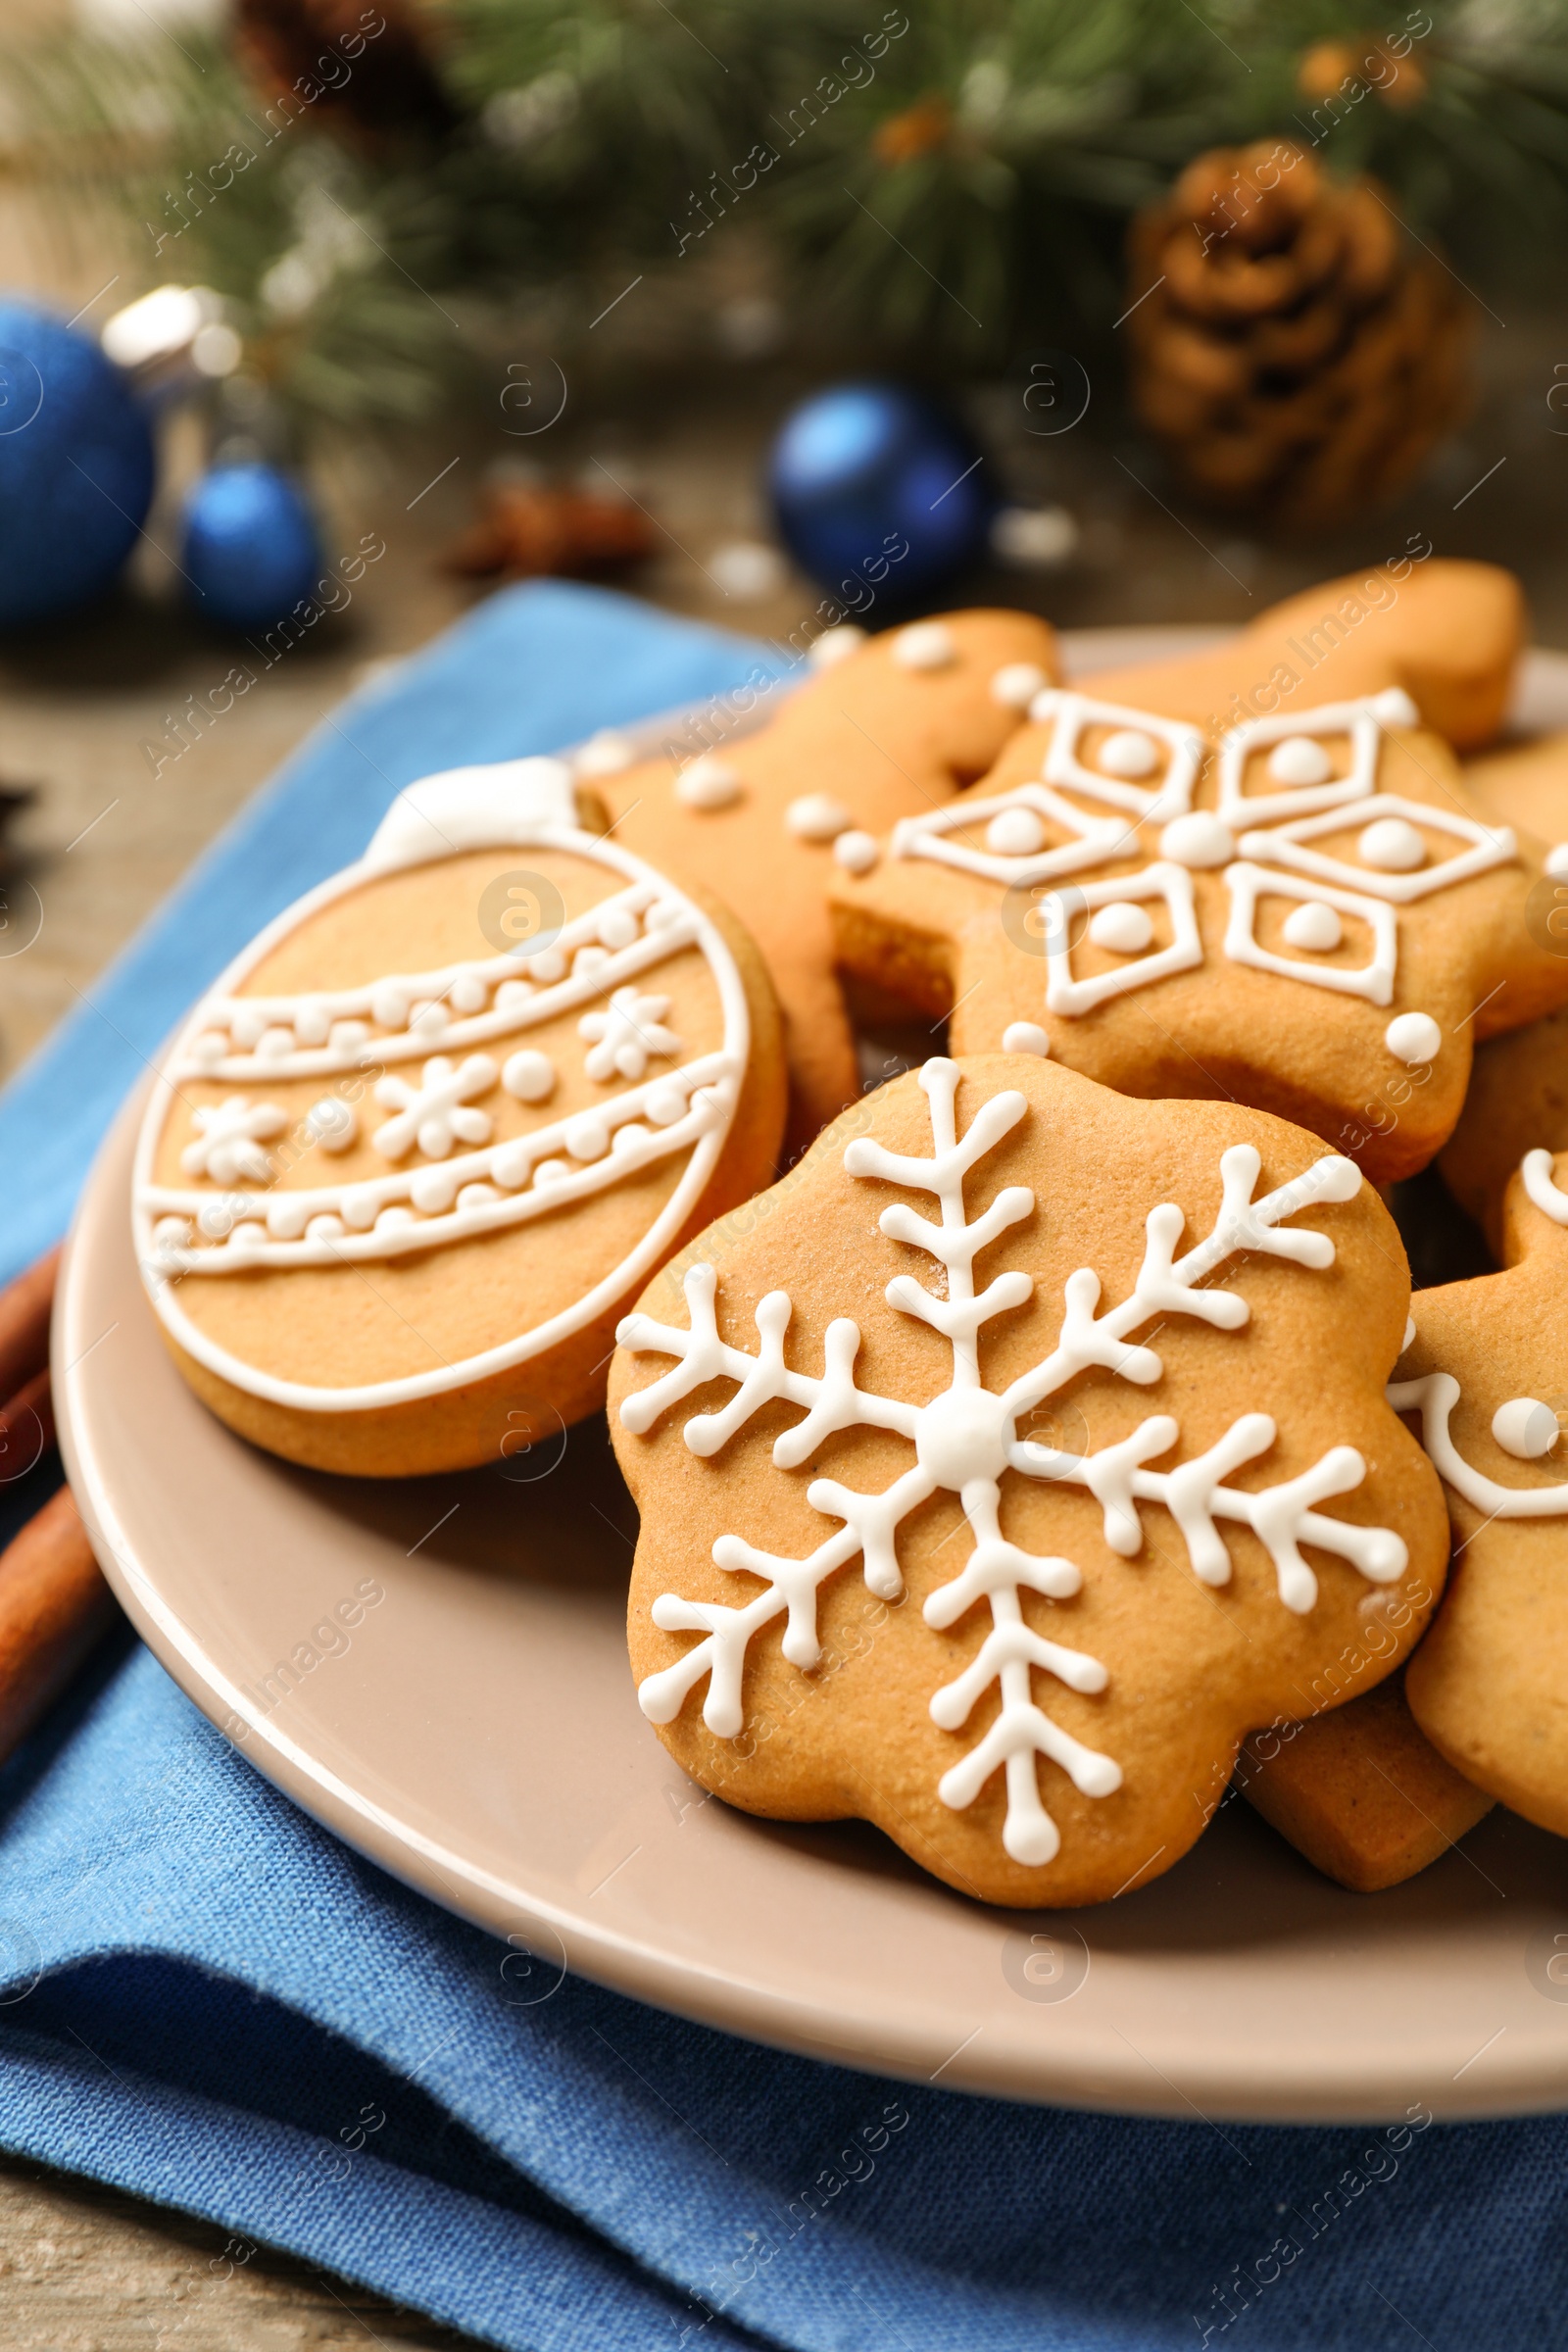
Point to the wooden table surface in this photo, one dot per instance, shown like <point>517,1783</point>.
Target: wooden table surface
<point>83,2268</point>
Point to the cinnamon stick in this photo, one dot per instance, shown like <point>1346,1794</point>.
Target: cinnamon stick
<point>54,1605</point>
<point>26,1426</point>
<point>25,1310</point>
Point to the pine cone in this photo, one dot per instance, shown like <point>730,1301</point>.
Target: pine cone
<point>1295,355</point>
<point>321,54</point>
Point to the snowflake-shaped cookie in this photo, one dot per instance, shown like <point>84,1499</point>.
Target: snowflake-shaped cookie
<point>1005,1415</point>
<point>227,1143</point>
<point>437,1112</point>
<point>626,1035</point>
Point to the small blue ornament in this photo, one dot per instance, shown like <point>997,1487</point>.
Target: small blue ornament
<point>865,469</point>
<point>250,552</point>
<point>76,466</point>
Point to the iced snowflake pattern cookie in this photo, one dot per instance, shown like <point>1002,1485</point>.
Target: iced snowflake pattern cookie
<point>1485,1379</point>
<point>884,727</point>
<point>1011,1459</point>
<point>1298,909</point>
<point>406,1163</point>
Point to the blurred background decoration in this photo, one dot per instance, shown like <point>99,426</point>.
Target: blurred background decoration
<point>1260,226</point>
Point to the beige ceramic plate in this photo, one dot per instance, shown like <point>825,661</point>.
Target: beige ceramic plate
<point>474,1730</point>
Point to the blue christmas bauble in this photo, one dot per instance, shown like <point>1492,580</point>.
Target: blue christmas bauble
<point>863,470</point>
<point>250,549</point>
<point>76,466</point>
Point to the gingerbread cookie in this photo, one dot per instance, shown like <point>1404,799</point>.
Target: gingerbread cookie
<point>1298,912</point>
<point>888,727</point>
<point>406,1163</point>
<point>1487,1373</point>
<point>1361,1792</point>
<point>982,1466</point>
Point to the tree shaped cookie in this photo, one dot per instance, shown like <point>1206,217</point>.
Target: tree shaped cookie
<point>1009,1461</point>
<point>1299,910</point>
<point>1487,1373</point>
<point>888,727</point>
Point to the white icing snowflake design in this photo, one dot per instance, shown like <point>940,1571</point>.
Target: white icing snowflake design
<point>229,1139</point>
<point>1274,856</point>
<point>627,1035</point>
<point>966,1441</point>
<point>437,1112</point>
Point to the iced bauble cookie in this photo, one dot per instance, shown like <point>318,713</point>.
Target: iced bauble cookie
<point>883,728</point>
<point>1486,1375</point>
<point>1008,1462</point>
<point>1298,909</point>
<point>404,1164</point>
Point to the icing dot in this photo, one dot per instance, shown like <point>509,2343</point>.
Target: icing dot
<point>248,1025</point>
<point>661,913</point>
<point>857,852</point>
<point>708,783</point>
<point>1408,1342</point>
<point>1557,863</point>
<point>1016,686</point>
<point>587,1136</point>
<point>394,1218</point>
<point>549,1172</point>
<point>346,1037</point>
<point>1393,846</point>
<point>1123,926</point>
<point>1413,1037</point>
<point>605,755</point>
<point>433,1190</point>
<point>924,645</point>
<point>628,1139</point>
<point>1300,759</point>
<point>210,1046</point>
<point>390,1006</point>
<point>275,1042</point>
<point>1025,1037</point>
<point>324,1228</point>
<point>249,1236</point>
<point>589,962</point>
<point>836,645</point>
<point>286,1218</point>
<point>665,1104</point>
<point>617,926</point>
<point>1015,833</point>
<point>332,1122</point>
<point>312,1023</point>
<point>512,993</point>
<point>817,817</point>
<point>173,1233</point>
<point>359,1207</point>
<point>510,1166</point>
<point>530,1075</point>
<point>1130,752</point>
<point>549,965</point>
<point>469,993</point>
<point>1315,925</point>
<point>477,1196</point>
<point>1525,1428</point>
<point>214,1220</point>
<point>1198,839</point>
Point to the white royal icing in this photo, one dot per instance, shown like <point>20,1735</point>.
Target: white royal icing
<point>1026,1037</point>
<point>447,1179</point>
<point>1556,861</point>
<point>925,645</point>
<point>1435,1398</point>
<point>1037,834</point>
<point>708,783</point>
<point>1536,1168</point>
<point>835,645</point>
<point>965,1440</point>
<point>817,817</point>
<point>1414,1038</point>
<point>1015,685</point>
<point>857,852</point>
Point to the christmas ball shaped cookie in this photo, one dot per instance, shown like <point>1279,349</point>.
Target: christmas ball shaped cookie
<point>408,1161</point>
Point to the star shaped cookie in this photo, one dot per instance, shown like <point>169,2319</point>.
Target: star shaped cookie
<point>1299,908</point>
<point>888,727</point>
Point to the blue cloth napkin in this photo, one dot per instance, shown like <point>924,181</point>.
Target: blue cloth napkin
<point>207,1999</point>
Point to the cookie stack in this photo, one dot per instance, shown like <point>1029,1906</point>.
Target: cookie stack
<point>1054,1431</point>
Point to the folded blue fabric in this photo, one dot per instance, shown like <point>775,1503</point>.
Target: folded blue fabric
<point>207,1999</point>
